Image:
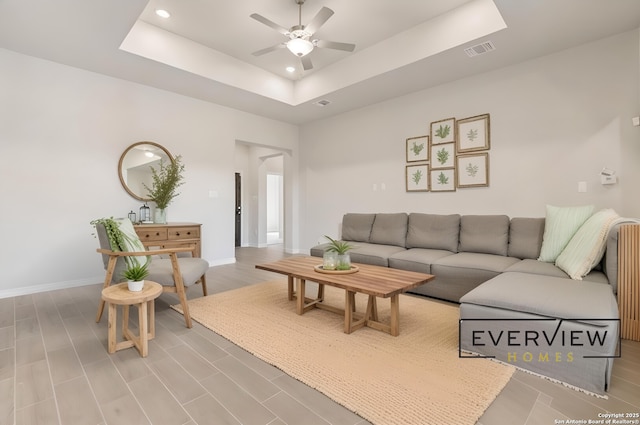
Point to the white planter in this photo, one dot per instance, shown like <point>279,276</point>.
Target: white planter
<point>135,285</point>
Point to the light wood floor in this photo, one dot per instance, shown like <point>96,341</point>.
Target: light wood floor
<point>54,369</point>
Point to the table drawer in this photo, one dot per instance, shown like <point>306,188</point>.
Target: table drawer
<point>152,234</point>
<point>178,233</point>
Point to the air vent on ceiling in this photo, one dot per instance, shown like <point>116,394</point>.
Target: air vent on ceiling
<point>322,103</point>
<point>479,49</point>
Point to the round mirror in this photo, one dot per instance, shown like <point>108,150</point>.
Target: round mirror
<point>134,167</point>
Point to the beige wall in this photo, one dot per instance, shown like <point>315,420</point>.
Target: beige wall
<point>555,121</point>
<point>62,131</point>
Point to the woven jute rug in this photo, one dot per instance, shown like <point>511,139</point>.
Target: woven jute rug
<point>414,378</point>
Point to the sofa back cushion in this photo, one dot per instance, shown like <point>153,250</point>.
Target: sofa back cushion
<point>487,234</point>
<point>433,231</point>
<point>357,227</point>
<point>390,229</point>
<point>525,237</point>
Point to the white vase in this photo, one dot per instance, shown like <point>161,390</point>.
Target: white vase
<point>135,285</point>
<point>160,216</point>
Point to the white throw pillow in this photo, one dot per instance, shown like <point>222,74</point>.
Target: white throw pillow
<point>560,225</point>
<point>586,248</point>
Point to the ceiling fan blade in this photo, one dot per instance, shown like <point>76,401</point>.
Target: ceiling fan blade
<point>306,63</point>
<point>269,49</point>
<point>347,47</point>
<point>269,23</point>
<point>319,20</point>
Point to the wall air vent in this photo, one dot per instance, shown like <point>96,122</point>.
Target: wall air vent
<point>480,49</point>
<point>322,103</point>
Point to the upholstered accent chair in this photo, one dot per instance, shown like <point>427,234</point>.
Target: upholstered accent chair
<point>174,268</point>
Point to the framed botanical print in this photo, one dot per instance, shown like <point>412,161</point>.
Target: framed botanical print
<point>443,156</point>
<point>473,170</point>
<point>443,131</point>
<point>417,149</point>
<point>417,178</point>
<point>443,180</point>
<point>473,133</point>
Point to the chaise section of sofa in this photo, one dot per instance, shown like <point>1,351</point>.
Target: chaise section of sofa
<point>552,326</point>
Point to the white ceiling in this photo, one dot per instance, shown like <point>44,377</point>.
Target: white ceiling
<point>204,49</point>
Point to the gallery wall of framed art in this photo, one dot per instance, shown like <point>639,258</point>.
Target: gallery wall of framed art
<point>454,155</point>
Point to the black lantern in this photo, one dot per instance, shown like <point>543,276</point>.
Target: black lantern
<point>145,214</point>
<point>132,216</point>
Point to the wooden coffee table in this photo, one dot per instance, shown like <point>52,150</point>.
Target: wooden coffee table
<point>374,281</point>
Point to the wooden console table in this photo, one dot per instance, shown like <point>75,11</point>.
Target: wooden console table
<point>170,235</point>
<point>629,281</point>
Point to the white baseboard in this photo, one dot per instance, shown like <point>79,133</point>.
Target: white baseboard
<point>34,289</point>
<point>221,262</point>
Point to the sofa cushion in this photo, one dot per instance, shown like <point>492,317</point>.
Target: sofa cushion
<point>585,250</point>
<point>476,261</point>
<point>487,234</point>
<point>374,254</point>
<point>390,229</point>
<point>357,227</point>
<point>537,267</point>
<point>433,231</point>
<point>417,259</point>
<point>525,237</point>
<point>560,225</point>
<point>546,296</point>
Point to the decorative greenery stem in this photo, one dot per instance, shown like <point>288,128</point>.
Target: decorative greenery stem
<point>341,247</point>
<point>166,181</point>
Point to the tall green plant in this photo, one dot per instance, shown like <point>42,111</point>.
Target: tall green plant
<point>166,181</point>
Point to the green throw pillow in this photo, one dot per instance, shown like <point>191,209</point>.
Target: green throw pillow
<point>132,242</point>
<point>586,248</point>
<point>560,225</point>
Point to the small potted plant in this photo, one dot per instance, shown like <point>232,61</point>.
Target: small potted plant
<point>135,275</point>
<point>337,255</point>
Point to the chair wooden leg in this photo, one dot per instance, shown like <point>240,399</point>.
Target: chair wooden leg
<point>107,281</point>
<point>203,280</point>
<point>182,294</point>
<point>179,284</point>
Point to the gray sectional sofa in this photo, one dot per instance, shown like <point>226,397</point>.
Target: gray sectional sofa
<point>512,307</point>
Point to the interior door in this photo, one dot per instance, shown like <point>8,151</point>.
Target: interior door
<point>238,211</point>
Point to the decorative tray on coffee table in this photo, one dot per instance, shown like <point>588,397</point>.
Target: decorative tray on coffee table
<point>320,269</point>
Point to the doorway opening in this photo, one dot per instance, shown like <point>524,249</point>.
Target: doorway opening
<point>275,216</point>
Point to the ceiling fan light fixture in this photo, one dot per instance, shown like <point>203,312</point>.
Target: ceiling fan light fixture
<point>299,46</point>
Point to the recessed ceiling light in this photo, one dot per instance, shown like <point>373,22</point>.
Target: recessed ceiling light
<point>290,68</point>
<point>163,13</point>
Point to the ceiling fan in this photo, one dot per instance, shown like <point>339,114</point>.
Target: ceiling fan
<point>300,42</point>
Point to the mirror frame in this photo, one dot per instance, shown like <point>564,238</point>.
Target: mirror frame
<point>124,184</point>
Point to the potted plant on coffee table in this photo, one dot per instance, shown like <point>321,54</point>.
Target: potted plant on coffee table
<point>339,249</point>
<point>135,275</point>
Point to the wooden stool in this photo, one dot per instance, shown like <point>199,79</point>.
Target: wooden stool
<point>120,295</point>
